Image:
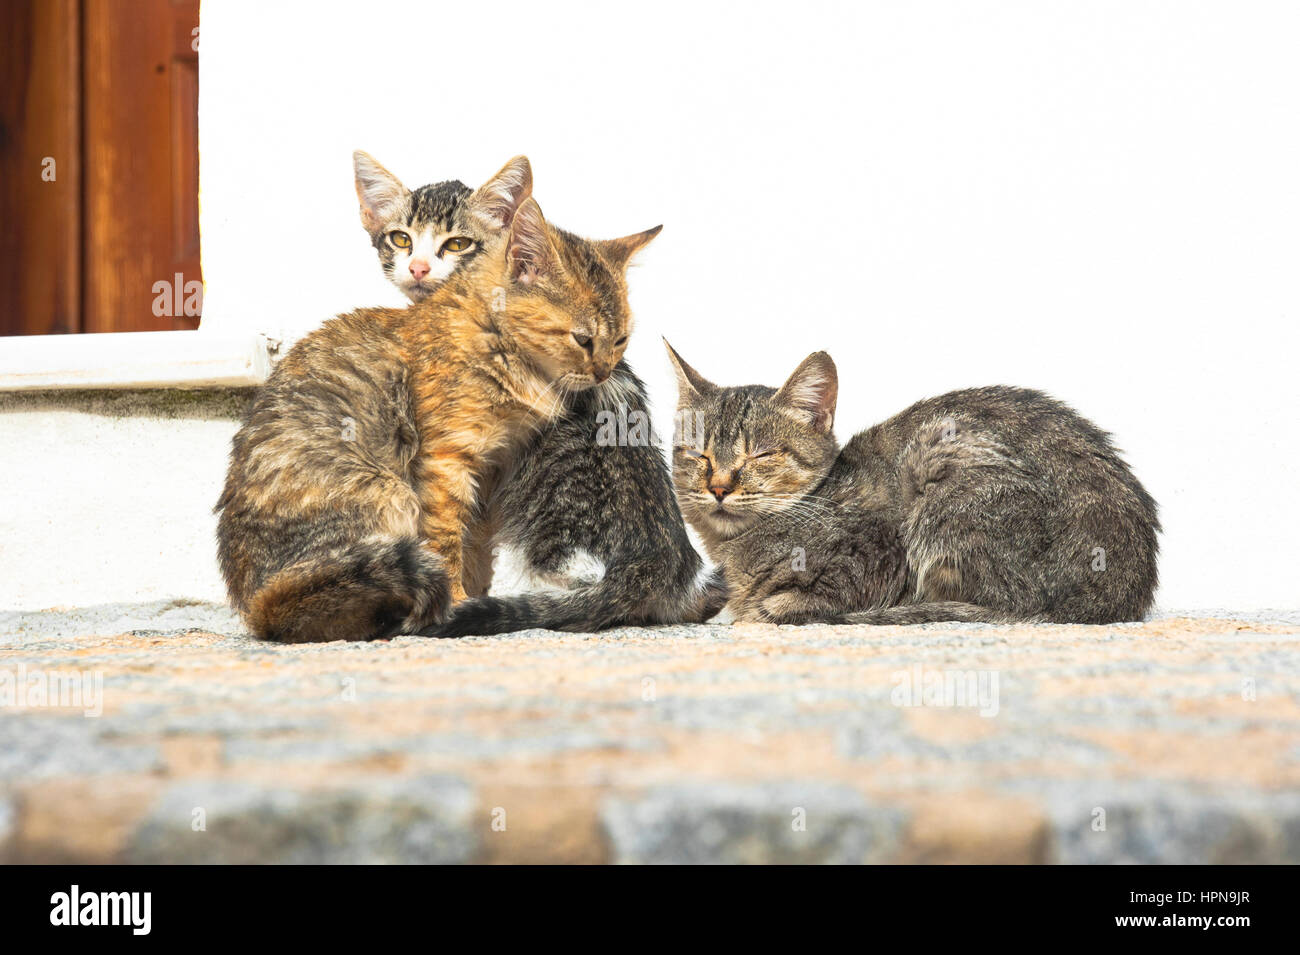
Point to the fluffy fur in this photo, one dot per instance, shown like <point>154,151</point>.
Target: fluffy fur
<point>565,495</point>
<point>358,473</point>
<point>572,497</point>
<point>988,504</point>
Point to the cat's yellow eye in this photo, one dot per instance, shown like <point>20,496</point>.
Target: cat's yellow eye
<point>400,239</point>
<point>458,244</point>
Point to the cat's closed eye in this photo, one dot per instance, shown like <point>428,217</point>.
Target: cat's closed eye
<point>400,239</point>
<point>689,452</point>
<point>459,243</point>
<point>766,453</point>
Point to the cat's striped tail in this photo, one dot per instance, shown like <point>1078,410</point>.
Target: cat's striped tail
<point>619,599</point>
<point>939,611</point>
<point>367,590</point>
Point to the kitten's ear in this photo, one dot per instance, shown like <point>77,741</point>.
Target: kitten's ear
<point>690,383</point>
<point>378,191</point>
<point>620,251</point>
<point>810,393</point>
<point>530,256</point>
<point>497,201</point>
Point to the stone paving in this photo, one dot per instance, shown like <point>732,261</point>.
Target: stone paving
<point>163,733</point>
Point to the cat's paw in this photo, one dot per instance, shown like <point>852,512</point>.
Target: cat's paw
<point>786,606</point>
<point>795,607</point>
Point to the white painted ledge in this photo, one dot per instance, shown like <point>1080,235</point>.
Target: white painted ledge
<point>182,359</point>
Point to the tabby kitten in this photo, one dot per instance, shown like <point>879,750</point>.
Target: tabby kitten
<point>421,236</point>
<point>357,469</point>
<point>988,504</point>
<point>596,517</point>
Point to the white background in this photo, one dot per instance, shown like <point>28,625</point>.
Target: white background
<point>1096,199</point>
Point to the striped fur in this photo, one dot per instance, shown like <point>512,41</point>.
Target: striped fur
<point>365,458</point>
<point>992,504</point>
<point>565,493</point>
<point>570,494</point>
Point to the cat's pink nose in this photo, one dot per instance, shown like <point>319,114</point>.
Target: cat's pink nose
<point>419,269</point>
<point>720,491</point>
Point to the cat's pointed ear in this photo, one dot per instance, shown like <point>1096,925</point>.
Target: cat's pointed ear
<point>690,383</point>
<point>620,251</point>
<point>530,256</point>
<point>378,191</point>
<point>810,393</point>
<point>498,200</point>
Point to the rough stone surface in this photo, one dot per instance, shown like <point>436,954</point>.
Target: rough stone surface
<point>1175,740</point>
<point>765,823</point>
<point>6,829</point>
<point>422,820</point>
<point>1145,824</point>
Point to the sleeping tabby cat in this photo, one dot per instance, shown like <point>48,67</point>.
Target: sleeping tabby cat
<point>355,478</point>
<point>597,517</point>
<point>989,504</point>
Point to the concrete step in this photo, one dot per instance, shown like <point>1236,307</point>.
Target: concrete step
<point>179,738</point>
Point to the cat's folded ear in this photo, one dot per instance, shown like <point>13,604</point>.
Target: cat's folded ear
<point>497,200</point>
<point>378,191</point>
<point>620,251</point>
<point>530,256</point>
<point>811,392</point>
<point>690,383</point>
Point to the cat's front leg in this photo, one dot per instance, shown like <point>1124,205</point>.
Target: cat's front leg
<point>775,588</point>
<point>779,600</point>
<point>860,564</point>
<point>479,539</point>
<point>443,521</point>
<point>797,599</point>
<point>766,579</point>
<point>793,603</point>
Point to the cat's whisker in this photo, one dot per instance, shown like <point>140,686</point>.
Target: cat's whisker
<point>774,504</point>
<point>801,513</point>
<point>808,503</point>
